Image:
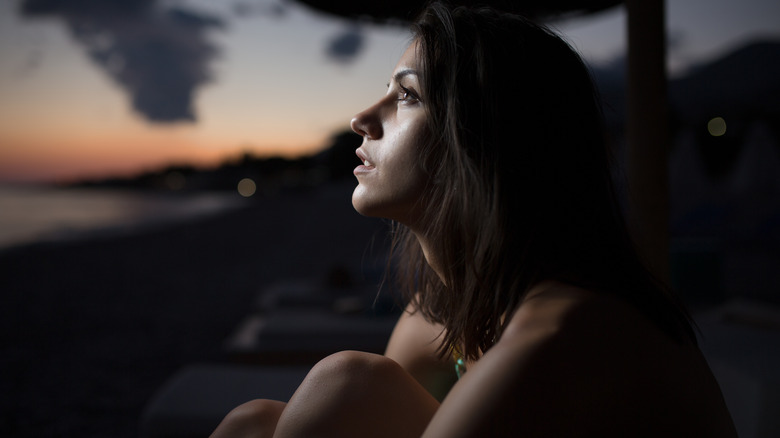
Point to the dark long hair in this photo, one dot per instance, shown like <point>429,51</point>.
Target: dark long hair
<point>520,187</point>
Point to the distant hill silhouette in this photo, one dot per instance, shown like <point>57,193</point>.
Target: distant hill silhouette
<point>743,84</point>
<point>743,87</point>
<point>270,174</point>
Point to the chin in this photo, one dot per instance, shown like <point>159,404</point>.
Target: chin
<point>364,205</point>
<point>359,202</point>
<point>368,210</point>
<point>380,205</point>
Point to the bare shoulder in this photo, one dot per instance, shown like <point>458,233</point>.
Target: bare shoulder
<point>576,363</point>
<point>559,314</point>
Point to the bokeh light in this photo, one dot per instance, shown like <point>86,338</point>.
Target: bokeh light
<point>716,126</point>
<point>247,187</point>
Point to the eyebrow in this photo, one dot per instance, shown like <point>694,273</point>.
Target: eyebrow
<point>403,73</point>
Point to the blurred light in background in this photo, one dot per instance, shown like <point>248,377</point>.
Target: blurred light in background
<point>246,187</point>
<point>716,126</point>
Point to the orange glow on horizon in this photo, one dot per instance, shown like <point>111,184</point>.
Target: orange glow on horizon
<point>51,143</point>
<point>42,157</point>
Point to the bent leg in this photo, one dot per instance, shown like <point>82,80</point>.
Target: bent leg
<point>355,394</point>
<point>256,419</point>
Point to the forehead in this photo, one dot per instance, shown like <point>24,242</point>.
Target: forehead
<point>409,60</point>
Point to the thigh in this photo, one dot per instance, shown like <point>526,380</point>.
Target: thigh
<point>355,394</point>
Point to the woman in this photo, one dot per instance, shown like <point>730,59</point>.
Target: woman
<point>487,152</point>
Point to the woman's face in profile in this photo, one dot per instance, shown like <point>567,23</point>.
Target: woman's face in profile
<point>391,180</point>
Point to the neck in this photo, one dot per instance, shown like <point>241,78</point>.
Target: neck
<point>430,255</point>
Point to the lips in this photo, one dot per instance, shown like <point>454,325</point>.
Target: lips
<point>367,164</point>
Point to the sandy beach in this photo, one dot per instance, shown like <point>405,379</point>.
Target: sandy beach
<point>91,328</point>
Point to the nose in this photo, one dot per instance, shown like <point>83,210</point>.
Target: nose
<point>367,123</point>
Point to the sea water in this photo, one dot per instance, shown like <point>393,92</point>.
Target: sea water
<point>33,213</point>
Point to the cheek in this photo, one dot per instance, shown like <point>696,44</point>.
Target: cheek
<point>404,172</point>
<point>394,192</point>
<point>404,148</point>
<point>408,179</point>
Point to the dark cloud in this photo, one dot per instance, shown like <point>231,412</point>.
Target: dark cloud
<point>274,9</point>
<point>159,56</point>
<point>86,7</point>
<point>346,46</point>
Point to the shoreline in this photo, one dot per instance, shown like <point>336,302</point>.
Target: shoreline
<point>49,214</point>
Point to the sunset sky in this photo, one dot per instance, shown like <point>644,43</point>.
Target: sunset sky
<point>80,98</point>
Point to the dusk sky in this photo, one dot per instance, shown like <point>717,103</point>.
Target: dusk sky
<point>80,98</point>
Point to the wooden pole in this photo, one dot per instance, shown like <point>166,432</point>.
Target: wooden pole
<point>648,133</point>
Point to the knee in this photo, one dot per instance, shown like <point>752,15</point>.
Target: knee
<point>253,418</point>
<point>341,391</point>
<point>353,369</point>
<point>358,361</point>
<point>350,393</point>
<point>349,380</point>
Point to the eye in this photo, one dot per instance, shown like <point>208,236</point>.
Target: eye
<point>407,95</point>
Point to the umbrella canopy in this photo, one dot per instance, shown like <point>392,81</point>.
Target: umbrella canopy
<point>405,10</point>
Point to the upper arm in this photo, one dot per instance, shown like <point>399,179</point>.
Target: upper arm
<point>492,399</point>
<point>414,345</point>
<point>546,381</point>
